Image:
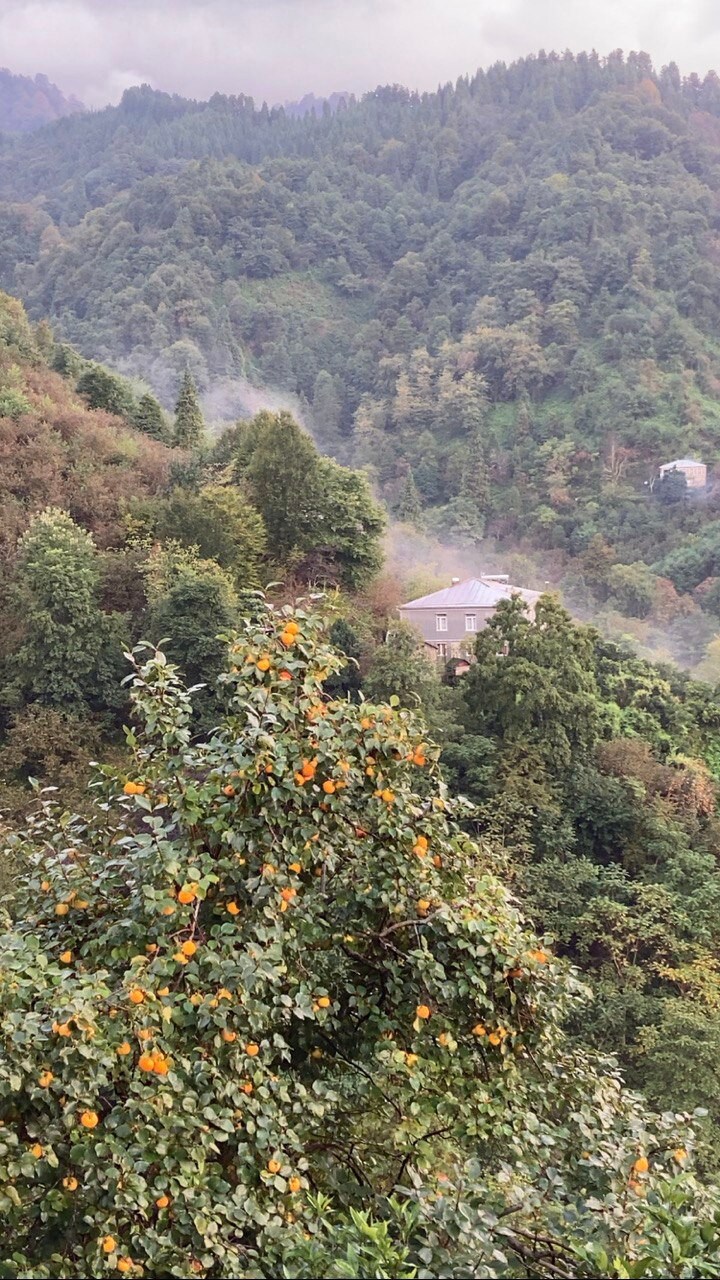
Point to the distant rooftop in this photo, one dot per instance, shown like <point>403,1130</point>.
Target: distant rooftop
<point>477,593</point>
<point>683,462</point>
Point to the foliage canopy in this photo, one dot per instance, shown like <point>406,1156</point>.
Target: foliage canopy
<point>270,1008</point>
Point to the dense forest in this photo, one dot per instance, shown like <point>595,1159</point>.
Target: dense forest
<point>500,298</point>
<point>340,963</point>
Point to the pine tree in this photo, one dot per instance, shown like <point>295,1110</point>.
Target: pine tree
<point>475,484</point>
<point>150,419</point>
<point>409,507</point>
<point>189,424</point>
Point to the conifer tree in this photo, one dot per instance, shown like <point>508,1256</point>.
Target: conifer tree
<point>475,483</point>
<point>409,507</point>
<point>150,419</point>
<point>326,407</point>
<point>189,424</point>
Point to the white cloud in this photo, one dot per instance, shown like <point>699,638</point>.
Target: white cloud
<point>276,49</point>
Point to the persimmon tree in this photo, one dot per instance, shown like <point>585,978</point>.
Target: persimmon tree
<point>270,1011</point>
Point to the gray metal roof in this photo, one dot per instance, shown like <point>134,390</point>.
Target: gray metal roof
<point>476,593</point>
<point>682,462</point>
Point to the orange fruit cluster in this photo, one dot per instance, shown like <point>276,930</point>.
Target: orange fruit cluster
<point>155,1061</point>
<point>497,1036</point>
<point>289,634</point>
<point>286,897</point>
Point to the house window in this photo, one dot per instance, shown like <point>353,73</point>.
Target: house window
<point>442,650</point>
<point>441,622</point>
<point>470,621</point>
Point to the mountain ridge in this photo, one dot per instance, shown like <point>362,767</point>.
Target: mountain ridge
<point>30,102</point>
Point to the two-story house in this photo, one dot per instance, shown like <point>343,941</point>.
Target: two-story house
<point>695,472</point>
<point>448,620</point>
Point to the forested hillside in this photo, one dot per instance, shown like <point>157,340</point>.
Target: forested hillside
<point>502,298</point>
<point>593,783</point>
<point>27,103</point>
<point>340,963</point>
<point>120,522</point>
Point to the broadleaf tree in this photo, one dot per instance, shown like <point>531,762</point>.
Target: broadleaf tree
<point>271,1011</point>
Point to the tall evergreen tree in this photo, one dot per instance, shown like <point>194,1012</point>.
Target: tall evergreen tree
<point>150,419</point>
<point>189,423</point>
<point>326,408</point>
<point>475,483</point>
<point>409,507</point>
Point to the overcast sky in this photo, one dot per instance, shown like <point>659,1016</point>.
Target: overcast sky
<point>279,49</point>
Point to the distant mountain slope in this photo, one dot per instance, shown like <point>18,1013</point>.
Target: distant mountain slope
<point>28,103</point>
<point>503,297</point>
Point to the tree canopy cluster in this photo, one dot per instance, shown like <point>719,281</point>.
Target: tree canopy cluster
<point>269,1009</point>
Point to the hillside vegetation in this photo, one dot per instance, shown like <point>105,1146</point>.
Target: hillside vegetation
<point>269,1001</point>
<point>502,298</point>
<point>347,1061</point>
<point>117,522</point>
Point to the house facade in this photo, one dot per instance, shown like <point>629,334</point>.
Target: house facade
<point>695,472</point>
<point>448,620</point>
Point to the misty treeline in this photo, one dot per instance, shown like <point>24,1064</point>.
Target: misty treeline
<point>500,298</point>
